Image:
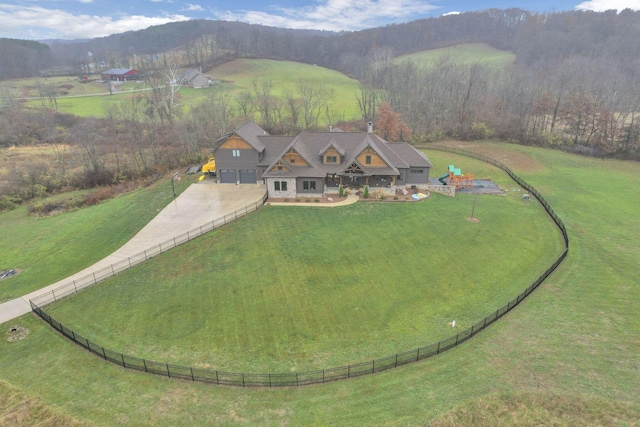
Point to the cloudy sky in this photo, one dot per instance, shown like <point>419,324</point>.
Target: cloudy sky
<point>72,19</point>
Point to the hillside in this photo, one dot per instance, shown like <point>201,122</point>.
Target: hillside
<point>467,53</point>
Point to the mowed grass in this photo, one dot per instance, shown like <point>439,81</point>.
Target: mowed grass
<point>468,53</point>
<point>567,355</point>
<point>303,288</point>
<point>48,249</point>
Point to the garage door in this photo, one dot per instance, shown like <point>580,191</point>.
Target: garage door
<point>247,176</point>
<point>227,176</point>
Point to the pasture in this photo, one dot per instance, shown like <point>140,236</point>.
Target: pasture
<point>467,53</point>
<point>567,354</point>
<point>235,77</point>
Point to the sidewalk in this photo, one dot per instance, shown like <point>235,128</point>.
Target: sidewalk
<point>198,205</point>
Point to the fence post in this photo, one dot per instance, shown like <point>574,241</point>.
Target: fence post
<point>94,278</point>
<point>168,372</point>
<point>270,380</point>
<point>124,365</point>
<point>217,380</point>
<point>144,362</point>
<point>53,292</point>
<point>74,336</point>
<point>323,376</point>
<point>192,377</point>
<point>438,350</point>
<point>113,272</point>
<point>373,366</point>
<point>103,353</point>
<point>396,360</point>
<point>418,355</point>
<point>457,339</point>
<point>74,286</point>
<point>243,380</point>
<point>348,371</point>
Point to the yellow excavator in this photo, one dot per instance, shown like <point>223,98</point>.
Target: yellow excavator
<point>209,170</point>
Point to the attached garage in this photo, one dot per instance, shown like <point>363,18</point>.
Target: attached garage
<point>227,176</point>
<point>248,176</point>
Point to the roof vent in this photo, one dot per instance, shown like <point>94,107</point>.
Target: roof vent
<point>370,127</point>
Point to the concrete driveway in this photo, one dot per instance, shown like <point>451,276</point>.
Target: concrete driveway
<point>197,206</point>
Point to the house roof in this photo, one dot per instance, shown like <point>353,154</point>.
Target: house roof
<point>412,156</point>
<point>121,71</point>
<point>311,146</point>
<point>250,132</point>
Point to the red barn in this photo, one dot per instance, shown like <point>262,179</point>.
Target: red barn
<point>122,75</point>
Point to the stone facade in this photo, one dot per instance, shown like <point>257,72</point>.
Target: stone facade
<point>290,191</point>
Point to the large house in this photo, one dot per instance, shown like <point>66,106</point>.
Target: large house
<point>316,163</point>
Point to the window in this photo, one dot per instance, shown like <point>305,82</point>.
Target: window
<point>236,153</point>
<point>279,168</point>
<point>332,159</point>
<point>417,171</point>
<point>308,185</point>
<point>276,185</point>
<point>280,185</point>
<point>401,177</point>
<point>292,160</point>
<point>283,185</point>
<point>367,160</point>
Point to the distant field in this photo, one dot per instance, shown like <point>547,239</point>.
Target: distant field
<point>235,77</point>
<point>465,54</point>
<point>285,76</point>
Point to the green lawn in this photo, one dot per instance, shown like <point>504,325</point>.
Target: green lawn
<point>300,288</point>
<point>567,355</point>
<point>51,248</point>
<point>468,53</point>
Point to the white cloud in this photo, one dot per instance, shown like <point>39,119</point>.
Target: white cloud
<point>335,15</point>
<point>451,13</point>
<point>192,8</point>
<point>42,23</point>
<point>602,5</point>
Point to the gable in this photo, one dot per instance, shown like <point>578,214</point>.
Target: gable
<point>331,152</point>
<point>235,142</point>
<point>374,158</point>
<point>279,167</point>
<point>294,158</point>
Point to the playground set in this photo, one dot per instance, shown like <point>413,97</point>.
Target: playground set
<point>455,178</point>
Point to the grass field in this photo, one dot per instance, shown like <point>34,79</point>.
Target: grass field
<point>51,248</point>
<point>235,76</point>
<point>568,355</point>
<point>468,53</point>
<point>308,288</point>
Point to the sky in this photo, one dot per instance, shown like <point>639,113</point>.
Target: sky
<point>78,19</point>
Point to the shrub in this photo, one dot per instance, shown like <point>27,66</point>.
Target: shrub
<point>297,200</point>
<point>395,197</point>
<point>286,200</point>
<point>317,200</point>
<point>340,191</point>
<point>307,200</point>
<point>365,194</point>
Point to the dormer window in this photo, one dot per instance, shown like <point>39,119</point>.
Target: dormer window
<point>292,160</point>
<point>332,159</point>
<point>279,168</point>
<point>367,159</point>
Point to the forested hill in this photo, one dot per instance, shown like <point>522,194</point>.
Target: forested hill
<point>23,58</point>
<point>535,39</point>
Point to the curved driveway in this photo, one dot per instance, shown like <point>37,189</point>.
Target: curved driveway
<point>198,205</point>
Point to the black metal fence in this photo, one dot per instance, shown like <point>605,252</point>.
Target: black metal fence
<point>324,375</point>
